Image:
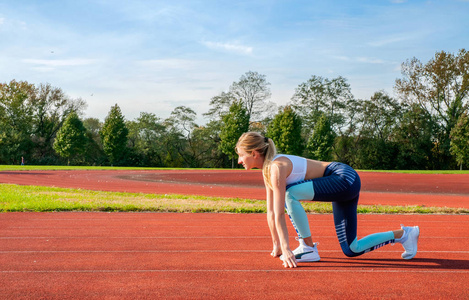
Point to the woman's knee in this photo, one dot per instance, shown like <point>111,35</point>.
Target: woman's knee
<point>350,250</point>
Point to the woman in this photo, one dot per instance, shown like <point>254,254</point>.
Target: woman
<point>289,178</point>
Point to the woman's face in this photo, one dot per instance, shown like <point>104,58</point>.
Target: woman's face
<point>249,161</point>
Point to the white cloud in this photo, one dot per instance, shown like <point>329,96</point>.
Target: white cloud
<point>370,60</point>
<point>236,48</point>
<point>171,63</point>
<point>60,62</point>
<point>389,40</point>
<point>12,25</point>
<point>341,57</point>
<point>361,59</point>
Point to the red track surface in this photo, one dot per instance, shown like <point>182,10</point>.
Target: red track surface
<point>226,256</point>
<point>219,256</point>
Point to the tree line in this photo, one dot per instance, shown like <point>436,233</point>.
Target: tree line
<point>425,127</point>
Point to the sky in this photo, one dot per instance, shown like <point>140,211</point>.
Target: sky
<point>152,56</point>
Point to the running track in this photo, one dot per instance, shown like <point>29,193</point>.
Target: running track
<point>221,256</point>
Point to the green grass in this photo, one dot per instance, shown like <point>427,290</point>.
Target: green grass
<point>40,199</point>
<point>36,198</point>
<point>17,198</point>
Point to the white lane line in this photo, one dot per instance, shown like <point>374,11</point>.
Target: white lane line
<point>309,270</point>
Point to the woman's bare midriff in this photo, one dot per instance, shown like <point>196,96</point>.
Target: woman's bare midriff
<point>315,168</point>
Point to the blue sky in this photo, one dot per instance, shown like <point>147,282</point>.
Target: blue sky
<point>152,56</point>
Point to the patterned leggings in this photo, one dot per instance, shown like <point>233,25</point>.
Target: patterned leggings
<point>341,186</point>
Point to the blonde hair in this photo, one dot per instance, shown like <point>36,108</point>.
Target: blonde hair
<point>253,141</point>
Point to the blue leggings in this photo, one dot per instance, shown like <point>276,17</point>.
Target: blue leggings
<point>341,186</point>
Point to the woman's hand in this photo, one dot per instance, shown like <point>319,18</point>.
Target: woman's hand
<point>276,252</point>
<point>289,260</point>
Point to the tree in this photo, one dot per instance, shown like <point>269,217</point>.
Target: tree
<point>16,121</point>
<point>50,107</point>
<point>94,154</point>
<point>321,141</point>
<point>376,121</point>
<point>146,135</point>
<point>440,87</point>
<point>460,140</point>
<point>206,139</point>
<point>93,127</point>
<point>220,105</point>
<point>378,116</point>
<point>413,136</point>
<point>253,90</point>
<point>114,136</point>
<point>181,145</point>
<point>71,140</point>
<point>345,148</point>
<point>184,119</point>
<point>285,131</point>
<point>319,96</point>
<point>234,124</point>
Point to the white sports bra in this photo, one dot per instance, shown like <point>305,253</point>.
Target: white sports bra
<point>298,171</point>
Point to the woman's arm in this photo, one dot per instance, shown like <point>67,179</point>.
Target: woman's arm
<point>271,222</point>
<point>278,181</point>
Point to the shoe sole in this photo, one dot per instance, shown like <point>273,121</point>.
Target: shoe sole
<point>308,260</point>
<point>300,259</point>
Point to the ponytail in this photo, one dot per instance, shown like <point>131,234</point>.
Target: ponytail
<point>269,155</point>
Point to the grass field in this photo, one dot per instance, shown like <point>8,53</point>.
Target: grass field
<point>18,198</point>
<point>15,198</point>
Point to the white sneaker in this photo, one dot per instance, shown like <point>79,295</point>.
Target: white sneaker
<point>409,241</point>
<point>305,253</point>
